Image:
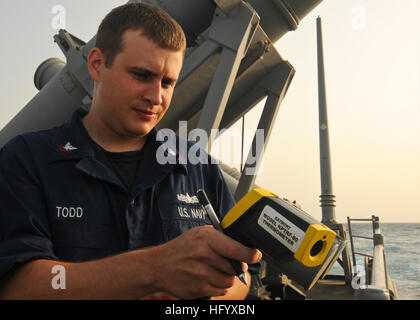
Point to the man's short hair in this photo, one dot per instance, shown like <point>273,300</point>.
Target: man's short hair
<point>155,24</point>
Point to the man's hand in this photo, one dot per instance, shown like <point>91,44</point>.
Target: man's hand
<point>195,264</point>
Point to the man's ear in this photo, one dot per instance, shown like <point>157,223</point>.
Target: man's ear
<point>96,63</point>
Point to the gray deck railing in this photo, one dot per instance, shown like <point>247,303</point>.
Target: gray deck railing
<point>379,269</point>
<point>375,264</point>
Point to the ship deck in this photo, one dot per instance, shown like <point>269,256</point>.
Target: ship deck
<point>332,289</point>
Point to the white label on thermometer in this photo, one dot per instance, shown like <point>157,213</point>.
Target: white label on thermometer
<point>280,228</point>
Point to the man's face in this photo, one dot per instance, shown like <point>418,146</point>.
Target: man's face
<point>135,92</point>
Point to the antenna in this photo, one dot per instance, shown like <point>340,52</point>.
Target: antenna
<point>327,196</point>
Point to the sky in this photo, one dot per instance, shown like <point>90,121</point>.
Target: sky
<point>372,67</point>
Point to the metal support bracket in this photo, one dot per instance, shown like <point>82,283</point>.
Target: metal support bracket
<point>197,57</point>
<point>242,22</point>
<point>275,86</point>
<point>340,229</point>
<point>72,48</point>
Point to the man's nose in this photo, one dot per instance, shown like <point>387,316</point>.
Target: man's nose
<point>154,93</point>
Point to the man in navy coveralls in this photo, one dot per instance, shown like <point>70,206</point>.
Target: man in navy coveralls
<point>90,198</point>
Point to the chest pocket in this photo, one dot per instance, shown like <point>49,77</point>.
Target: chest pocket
<point>179,212</point>
<point>80,241</point>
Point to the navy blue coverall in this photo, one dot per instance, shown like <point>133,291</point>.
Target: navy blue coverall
<point>60,198</point>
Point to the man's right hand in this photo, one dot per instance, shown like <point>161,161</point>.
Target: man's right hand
<point>196,263</point>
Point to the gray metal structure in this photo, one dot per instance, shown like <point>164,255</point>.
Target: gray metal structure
<point>327,196</point>
<point>230,66</point>
<point>377,280</point>
<point>380,286</point>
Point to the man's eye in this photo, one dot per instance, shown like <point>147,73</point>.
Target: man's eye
<point>143,76</point>
<point>167,83</point>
